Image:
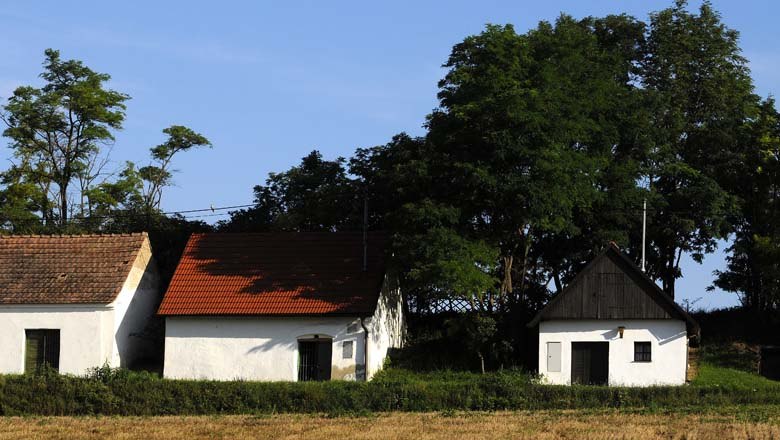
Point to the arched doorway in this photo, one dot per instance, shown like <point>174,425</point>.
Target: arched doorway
<point>314,357</point>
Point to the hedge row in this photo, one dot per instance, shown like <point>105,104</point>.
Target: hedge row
<point>143,395</point>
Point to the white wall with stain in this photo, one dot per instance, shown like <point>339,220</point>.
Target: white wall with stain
<point>252,348</point>
<point>266,348</point>
<point>669,348</point>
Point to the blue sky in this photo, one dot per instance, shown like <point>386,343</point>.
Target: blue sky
<point>267,82</point>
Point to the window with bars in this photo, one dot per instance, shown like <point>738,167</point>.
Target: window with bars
<point>642,352</point>
<point>42,347</point>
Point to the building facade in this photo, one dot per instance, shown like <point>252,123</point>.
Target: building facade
<point>281,307</point>
<point>75,302</point>
<point>613,326</point>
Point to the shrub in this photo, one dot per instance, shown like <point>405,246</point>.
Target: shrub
<point>117,392</point>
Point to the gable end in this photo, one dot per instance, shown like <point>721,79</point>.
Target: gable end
<point>612,287</point>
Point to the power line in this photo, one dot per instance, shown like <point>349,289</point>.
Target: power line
<point>125,215</point>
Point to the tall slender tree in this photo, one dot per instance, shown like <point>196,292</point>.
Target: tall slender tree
<point>58,129</point>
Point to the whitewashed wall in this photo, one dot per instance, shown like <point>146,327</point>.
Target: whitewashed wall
<point>669,347</point>
<point>386,327</point>
<point>91,335</point>
<point>134,307</point>
<point>254,348</point>
<point>266,348</point>
<point>85,335</point>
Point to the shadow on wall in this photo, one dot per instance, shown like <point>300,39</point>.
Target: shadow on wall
<point>665,335</point>
<point>139,337</point>
<point>271,345</point>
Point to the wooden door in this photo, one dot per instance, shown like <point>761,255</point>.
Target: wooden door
<point>590,363</point>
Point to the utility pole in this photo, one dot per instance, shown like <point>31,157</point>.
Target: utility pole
<point>365,232</point>
<point>644,231</point>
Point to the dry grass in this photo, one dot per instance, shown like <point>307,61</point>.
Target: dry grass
<point>723,424</point>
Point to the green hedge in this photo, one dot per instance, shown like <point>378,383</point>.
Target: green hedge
<point>111,392</point>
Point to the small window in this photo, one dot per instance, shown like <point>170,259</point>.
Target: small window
<point>346,349</point>
<point>42,347</point>
<point>642,352</point>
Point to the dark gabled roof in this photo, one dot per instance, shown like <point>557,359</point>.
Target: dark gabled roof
<point>613,287</point>
<point>280,274</point>
<point>66,269</point>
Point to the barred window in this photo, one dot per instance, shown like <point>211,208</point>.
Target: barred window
<point>642,352</point>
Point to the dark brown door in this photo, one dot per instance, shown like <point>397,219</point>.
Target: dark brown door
<point>590,363</point>
<point>314,358</point>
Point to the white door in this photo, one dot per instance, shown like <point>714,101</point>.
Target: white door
<point>554,357</point>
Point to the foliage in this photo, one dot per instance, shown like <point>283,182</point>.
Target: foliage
<point>475,332</point>
<point>316,195</point>
<point>456,341</point>
<point>57,130</point>
<point>753,268</point>
<point>159,175</point>
<point>699,95</point>
<point>123,393</point>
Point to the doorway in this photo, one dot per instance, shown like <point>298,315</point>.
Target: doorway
<point>314,359</point>
<point>590,363</point>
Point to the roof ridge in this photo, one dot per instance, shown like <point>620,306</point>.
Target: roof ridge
<point>89,235</point>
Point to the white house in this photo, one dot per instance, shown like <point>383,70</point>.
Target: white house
<point>613,325</point>
<point>75,302</point>
<point>281,307</point>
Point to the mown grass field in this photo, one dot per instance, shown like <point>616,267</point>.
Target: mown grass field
<point>721,423</point>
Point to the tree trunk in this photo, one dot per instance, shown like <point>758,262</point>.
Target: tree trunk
<point>63,203</point>
<point>668,273</point>
<point>524,270</point>
<point>481,361</point>
<point>506,282</point>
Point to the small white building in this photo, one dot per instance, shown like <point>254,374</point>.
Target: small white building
<point>75,302</point>
<point>281,307</point>
<point>612,325</point>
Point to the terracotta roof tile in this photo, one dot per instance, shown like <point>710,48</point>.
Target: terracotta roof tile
<point>65,269</point>
<point>276,274</point>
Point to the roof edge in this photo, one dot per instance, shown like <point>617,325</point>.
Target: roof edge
<point>128,234</point>
<point>612,247</point>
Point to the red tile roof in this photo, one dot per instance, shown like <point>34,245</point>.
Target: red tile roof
<point>65,269</point>
<point>276,274</point>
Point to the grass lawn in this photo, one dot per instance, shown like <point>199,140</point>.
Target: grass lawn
<point>731,365</point>
<point>721,423</point>
<point>713,375</point>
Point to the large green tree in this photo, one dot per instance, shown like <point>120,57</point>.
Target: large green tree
<point>753,266</point>
<point>526,125</point>
<point>57,130</point>
<point>699,95</point>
